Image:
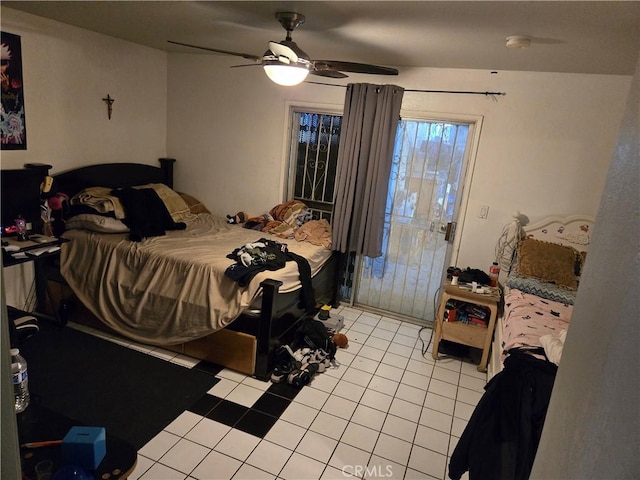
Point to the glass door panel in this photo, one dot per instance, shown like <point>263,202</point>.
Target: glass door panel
<point>423,192</point>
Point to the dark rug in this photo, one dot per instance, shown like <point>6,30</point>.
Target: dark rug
<point>99,383</point>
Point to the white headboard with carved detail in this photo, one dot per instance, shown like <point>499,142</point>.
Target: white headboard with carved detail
<point>573,230</point>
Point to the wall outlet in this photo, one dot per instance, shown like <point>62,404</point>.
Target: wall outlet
<point>484,211</point>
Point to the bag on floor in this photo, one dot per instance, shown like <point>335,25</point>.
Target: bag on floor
<point>313,334</point>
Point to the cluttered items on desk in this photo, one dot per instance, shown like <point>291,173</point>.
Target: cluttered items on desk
<point>33,246</point>
<point>472,280</point>
<point>31,243</point>
<point>467,313</point>
<point>469,275</point>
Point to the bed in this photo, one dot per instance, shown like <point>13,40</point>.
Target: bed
<point>542,262</point>
<point>171,289</point>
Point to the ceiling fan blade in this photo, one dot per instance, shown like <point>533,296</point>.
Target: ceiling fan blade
<point>328,73</point>
<point>321,65</point>
<point>248,56</point>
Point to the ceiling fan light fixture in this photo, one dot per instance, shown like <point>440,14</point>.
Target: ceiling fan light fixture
<point>518,41</point>
<point>287,64</point>
<point>286,75</point>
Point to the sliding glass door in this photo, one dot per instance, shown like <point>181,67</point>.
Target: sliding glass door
<point>424,187</point>
<point>424,194</point>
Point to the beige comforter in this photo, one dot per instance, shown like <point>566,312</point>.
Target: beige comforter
<point>171,289</point>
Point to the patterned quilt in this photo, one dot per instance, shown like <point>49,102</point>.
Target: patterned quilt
<point>528,317</point>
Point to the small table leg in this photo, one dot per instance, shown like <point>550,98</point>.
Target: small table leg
<point>436,339</point>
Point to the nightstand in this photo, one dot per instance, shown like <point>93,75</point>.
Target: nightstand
<point>41,254</point>
<point>466,332</point>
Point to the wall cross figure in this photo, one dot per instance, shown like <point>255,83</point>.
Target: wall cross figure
<point>109,101</point>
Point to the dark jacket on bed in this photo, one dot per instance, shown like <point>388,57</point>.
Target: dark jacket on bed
<point>271,255</point>
<point>503,433</point>
<point>146,213</point>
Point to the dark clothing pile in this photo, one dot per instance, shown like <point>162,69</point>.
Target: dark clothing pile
<point>503,433</point>
<point>146,213</point>
<point>266,254</point>
<point>256,257</point>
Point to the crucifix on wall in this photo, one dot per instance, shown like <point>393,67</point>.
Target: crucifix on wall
<point>109,101</point>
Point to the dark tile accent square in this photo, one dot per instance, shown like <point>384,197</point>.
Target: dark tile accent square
<point>208,367</point>
<point>205,404</point>
<point>284,390</point>
<point>227,412</point>
<point>256,423</point>
<point>271,404</point>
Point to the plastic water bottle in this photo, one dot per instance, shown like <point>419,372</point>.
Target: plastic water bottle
<point>494,271</point>
<point>20,380</point>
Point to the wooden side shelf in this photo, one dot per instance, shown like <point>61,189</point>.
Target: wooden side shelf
<point>465,333</point>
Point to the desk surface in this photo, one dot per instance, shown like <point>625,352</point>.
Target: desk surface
<point>464,291</point>
<point>28,249</point>
<point>38,423</point>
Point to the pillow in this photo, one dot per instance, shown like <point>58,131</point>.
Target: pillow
<point>582,258</point>
<point>542,289</point>
<point>547,261</point>
<point>96,223</point>
<point>195,205</point>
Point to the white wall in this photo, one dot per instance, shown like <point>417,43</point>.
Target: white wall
<point>544,147</point>
<point>67,72</point>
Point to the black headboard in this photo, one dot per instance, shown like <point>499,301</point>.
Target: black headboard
<point>20,192</point>
<point>114,175</point>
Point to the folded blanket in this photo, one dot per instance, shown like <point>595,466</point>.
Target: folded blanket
<point>100,199</point>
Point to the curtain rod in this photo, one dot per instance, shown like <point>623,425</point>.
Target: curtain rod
<point>488,94</point>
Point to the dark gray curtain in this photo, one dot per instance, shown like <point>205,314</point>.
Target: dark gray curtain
<point>369,123</point>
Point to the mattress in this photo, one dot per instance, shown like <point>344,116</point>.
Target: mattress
<point>171,289</point>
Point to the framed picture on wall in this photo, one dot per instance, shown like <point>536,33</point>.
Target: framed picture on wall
<point>13,129</point>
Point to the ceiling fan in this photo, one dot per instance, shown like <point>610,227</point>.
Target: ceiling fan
<point>287,64</point>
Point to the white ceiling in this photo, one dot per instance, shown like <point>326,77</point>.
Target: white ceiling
<point>567,36</point>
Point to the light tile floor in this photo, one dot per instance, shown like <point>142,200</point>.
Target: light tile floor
<point>386,411</point>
